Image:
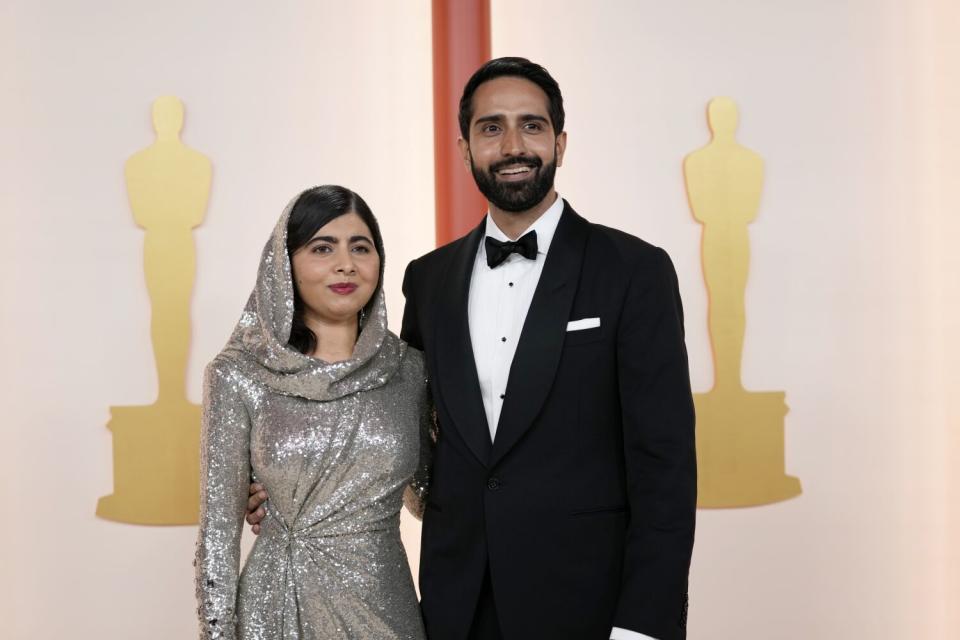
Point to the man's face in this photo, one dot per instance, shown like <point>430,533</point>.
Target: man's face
<point>512,150</point>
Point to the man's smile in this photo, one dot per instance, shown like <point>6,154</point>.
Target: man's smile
<point>514,170</point>
<point>515,173</point>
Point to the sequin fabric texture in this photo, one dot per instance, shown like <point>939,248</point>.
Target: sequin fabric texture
<point>339,448</point>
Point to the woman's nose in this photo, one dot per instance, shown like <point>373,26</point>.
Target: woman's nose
<point>346,266</point>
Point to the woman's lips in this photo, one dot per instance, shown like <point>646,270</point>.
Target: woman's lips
<point>343,288</point>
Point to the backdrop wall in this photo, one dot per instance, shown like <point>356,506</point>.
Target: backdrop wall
<point>852,305</point>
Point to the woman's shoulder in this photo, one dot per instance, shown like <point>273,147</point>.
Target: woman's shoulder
<point>222,363</point>
<point>225,369</point>
<point>413,362</point>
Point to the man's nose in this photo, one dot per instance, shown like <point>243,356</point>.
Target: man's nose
<point>512,143</point>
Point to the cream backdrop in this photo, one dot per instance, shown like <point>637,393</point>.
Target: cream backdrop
<point>852,307</point>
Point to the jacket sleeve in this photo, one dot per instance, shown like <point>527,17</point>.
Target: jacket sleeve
<point>415,496</point>
<point>659,452</point>
<point>410,329</point>
<point>224,482</point>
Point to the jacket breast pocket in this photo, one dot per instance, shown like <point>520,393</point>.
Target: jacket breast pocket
<point>583,336</point>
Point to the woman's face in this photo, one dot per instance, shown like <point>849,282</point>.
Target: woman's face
<point>337,271</point>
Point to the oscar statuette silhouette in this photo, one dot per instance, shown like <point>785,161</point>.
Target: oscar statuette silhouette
<point>740,433</point>
<point>156,447</point>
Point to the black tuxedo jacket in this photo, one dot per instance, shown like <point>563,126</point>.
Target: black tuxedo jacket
<point>583,507</point>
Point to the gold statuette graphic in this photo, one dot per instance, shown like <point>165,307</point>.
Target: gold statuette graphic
<point>156,447</point>
<point>740,443</point>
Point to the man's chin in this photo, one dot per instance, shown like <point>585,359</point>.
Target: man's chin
<point>516,207</point>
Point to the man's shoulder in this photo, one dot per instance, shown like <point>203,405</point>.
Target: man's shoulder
<point>627,249</point>
<point>437,258</point>
<point>441,253</point>
<point>627,261</point>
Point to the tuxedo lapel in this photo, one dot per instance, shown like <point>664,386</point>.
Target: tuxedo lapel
<point>456,367</point>
<point>541,340</point>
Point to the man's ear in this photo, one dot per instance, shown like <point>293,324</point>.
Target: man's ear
<point>560,147</point>
<point>464,152</point>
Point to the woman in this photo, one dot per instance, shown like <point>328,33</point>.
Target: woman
<point>322,405</point>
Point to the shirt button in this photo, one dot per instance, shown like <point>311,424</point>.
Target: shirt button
<point>510,284</point>
<point>502,396</point>
<point>493,483</point>
<point>504,339</point>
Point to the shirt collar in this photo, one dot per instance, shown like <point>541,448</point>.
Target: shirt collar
<point>545,226</point>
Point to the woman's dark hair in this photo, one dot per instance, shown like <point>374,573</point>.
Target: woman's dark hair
<point>519,68</point>
<point>312,210</point>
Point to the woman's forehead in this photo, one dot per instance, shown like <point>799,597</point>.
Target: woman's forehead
<point>346,226</point>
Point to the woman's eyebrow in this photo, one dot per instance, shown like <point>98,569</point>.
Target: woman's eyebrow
<point>361,239</point>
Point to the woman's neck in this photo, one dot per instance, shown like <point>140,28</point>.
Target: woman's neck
<point>335,340</point>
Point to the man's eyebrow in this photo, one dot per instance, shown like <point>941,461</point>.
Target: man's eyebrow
<point>528,117</point>
<point>491,118</point>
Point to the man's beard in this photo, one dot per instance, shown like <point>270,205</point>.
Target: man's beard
<point>515,196</point>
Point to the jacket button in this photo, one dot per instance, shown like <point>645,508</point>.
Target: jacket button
<point>493,483</point>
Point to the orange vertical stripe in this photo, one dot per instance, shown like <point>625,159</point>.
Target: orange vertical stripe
<point>461,43</point>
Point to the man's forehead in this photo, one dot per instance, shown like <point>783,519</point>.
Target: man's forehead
<point>509,94</point>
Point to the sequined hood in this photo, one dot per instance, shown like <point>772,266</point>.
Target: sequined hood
<point>259,342</point>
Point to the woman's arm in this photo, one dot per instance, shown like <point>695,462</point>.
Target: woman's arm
<point>224,478</point>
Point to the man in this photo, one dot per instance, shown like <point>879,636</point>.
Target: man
<point>563,491</point>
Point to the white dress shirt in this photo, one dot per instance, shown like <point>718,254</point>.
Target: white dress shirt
<point>498,304</point>
<point>499,299</point>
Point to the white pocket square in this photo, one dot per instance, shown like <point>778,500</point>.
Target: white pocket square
<point>580,325</point>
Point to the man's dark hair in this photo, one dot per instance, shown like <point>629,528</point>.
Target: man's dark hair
<point>313,209</point>
<point>518,68</point>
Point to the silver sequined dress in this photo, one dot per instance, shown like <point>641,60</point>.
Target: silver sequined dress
<point>338,447</point>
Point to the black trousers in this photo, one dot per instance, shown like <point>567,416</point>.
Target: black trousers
<point>486,625</point>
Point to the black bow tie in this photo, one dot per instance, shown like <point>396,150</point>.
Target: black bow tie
<point>498,251</point>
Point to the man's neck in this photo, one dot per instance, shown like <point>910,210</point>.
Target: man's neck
<point>514,223</point>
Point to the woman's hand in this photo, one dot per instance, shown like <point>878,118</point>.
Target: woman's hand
<point>255,512</point>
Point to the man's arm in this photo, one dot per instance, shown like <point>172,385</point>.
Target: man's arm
<point>623,634</point>
<point>659,452</point>
<point>415,495</point>
<point>410,329</point>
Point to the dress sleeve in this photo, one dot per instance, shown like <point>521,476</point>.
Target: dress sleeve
<point>224,482</point>
<point>415,495</point>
